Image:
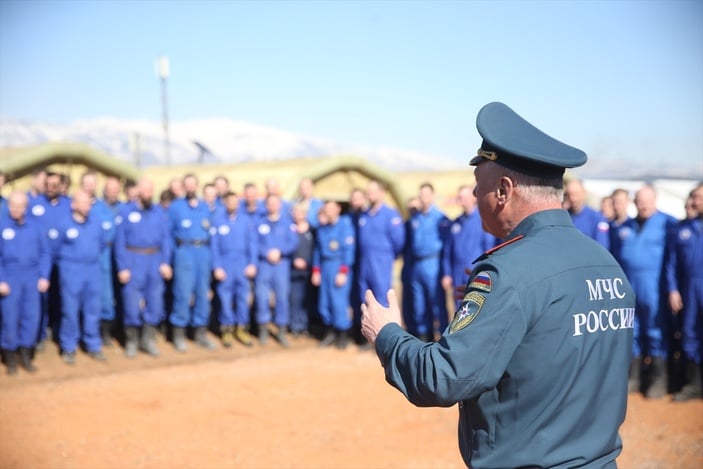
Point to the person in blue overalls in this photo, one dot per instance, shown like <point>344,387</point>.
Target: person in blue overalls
<point>189,220</point>
<point>107,210</point>
<point>639,247</point>
<point>50,208</point>
<point>536,357</point>
<point>251,205</point>
<point>25,263</point>
<point>78,247</point>
<point>333,257</point>
<point>3,201</point>
<point>589,221</point>
<point>311,203</point>
<point>143,255</point>
<point>380,240</point>
<point>38,184</point>
<point>466,242</point>
<point>429,229</point>
<point>684,285</point>
<point>272,186</point>
<point>277,239</point>
<point>235,253</point>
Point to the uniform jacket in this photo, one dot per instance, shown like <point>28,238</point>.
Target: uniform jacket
<point>428,233</point>
<point>108,214</point>
<point>80,242</point>
<point>141,229</point>
<point>537,355</point>
<point>280,234</point>
<point>684,259</point>
<point>335,243</point>
<point>465,243</point>
<point>50,214</point>
<point>24,246</point>
<point>306,244</point>
<point>233,241</point>
<point>640,247</point>
<point>189,223</point>
<point>592,223</point>
<point>381,231</point>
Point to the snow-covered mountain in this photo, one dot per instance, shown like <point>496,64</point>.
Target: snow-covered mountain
<point>212,140</point>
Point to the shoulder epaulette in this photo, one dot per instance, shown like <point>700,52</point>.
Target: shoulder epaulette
<point>496,248</point>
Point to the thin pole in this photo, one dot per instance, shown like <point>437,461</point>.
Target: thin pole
<point>164,104</point>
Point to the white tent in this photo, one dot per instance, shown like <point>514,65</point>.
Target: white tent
<point>671,193</point>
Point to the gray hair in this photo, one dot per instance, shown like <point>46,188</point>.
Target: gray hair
<point>537,189</point>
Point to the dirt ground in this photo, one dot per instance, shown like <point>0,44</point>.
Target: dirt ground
<point>263,407</point>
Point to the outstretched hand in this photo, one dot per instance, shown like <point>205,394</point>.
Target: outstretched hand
<point>374,316</point>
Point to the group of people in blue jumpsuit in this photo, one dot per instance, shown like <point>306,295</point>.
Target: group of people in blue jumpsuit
<point>265,266</point>
<point>663,260</point>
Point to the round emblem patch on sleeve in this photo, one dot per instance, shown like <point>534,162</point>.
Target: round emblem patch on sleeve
<point>467,312</point>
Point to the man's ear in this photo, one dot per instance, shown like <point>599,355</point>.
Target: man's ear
<point>505,189</point>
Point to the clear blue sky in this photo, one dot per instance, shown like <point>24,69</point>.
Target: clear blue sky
<point>620,79</point>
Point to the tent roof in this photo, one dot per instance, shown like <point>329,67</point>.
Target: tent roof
<point>21,161</point>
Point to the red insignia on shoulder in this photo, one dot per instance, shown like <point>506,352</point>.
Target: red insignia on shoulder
<point>500,246</point>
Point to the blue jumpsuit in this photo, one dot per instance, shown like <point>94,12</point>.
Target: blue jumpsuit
<point>234,246</point>
<point>108,213</point>
<point>313,211</point>
<point>333,254</point>
<point>593,224</point>
<point>381,239</point>
<point>536,356</point>
<point>684,273</point>
<point>190,233</point>
<point>279,234</point>
<point>142,244</point>
<point>78,248</point>
<point>640,250</point>
<point>428,234</point>
<point>255,215</point>
<point>24,259</point>
<point>466,242</point>
<point>50,213</point>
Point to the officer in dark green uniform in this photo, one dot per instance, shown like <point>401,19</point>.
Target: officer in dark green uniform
<point>537,354</point>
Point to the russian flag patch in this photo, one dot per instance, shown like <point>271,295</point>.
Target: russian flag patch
<point>482,281</point>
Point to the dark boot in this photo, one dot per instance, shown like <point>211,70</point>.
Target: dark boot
<point>148,342</point>
<point>263,334</point>
<point>106,332</point>
<point>202,339</point>
<point>26,359</point>
<point>633,381</point>
<point>282,337</point>
<point>179,339</point>
<point>658,383</point>
<point>10,359</point>
<point>329,337</point>
<point>342,339</point>
<point>692,389</point>
<point>97,355</point>
<point>131,340</point>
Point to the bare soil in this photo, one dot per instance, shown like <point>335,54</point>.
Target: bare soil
<point>263,407</point>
